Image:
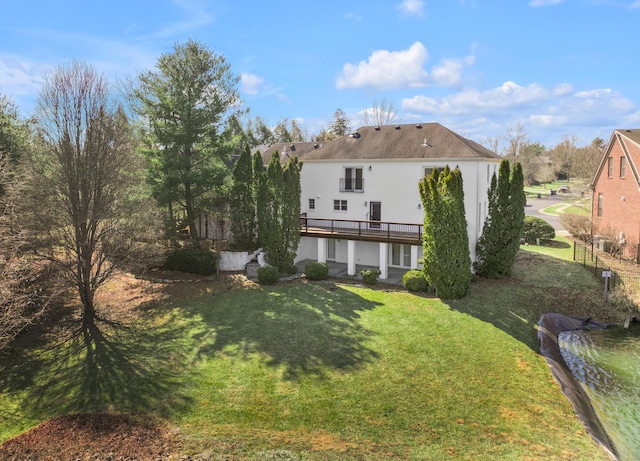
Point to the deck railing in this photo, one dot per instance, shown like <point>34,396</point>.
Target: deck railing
<point>375,231</point>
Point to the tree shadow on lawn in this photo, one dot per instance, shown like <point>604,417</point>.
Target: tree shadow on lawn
<point>539,284</point>
<point>107,368</point>
<point>308,328</point>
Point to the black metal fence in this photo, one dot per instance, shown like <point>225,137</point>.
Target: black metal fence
<point>590,260</point>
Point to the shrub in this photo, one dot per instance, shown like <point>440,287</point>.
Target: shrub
<point>370,276</point>
<point>537,228</point>
<point>414,280</point>
<point>268,275</point>
<point>191,259</point>
<point>578,226</point>
<point>624,300</point>
<point>316,271</point>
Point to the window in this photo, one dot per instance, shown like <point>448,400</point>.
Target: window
<point>429,170</point>
<point>600,200</point>
<point>340,205</point>
<point>312,204</point>
<point>352,181</point>
<point>623,166</point>
<point>610,174</point>
<point>401,255</point>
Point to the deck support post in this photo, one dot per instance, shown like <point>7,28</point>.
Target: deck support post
<point>384,261</point>
<point>351,257</point>
<point>414,256</point>
<point>322,250</point>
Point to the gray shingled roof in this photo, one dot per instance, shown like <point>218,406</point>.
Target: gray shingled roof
<point>408,141</point>
<point>298,149</point>
<point>634,135</point>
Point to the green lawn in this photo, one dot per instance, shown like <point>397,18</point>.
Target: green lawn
<point>544,189</point>
<point>328,371</point>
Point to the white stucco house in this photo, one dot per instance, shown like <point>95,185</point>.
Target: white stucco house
<point>360,202</point>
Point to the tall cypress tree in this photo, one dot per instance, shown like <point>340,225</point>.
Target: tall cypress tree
<point>447,264</point>
<point>291,211</point>
<point>262,198</point>
<point>500,241</point>
<point>243,202</point>
<point>279,212</point>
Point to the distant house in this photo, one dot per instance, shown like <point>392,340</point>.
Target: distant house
<point>360,199</point>
<point>616,193</point>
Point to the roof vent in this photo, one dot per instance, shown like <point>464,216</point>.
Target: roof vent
<point>397,127</point>
<point>355,134</point>
<point>418,126</point>
<point>315,146</point>
<point>377,128</point>
<point>426,144</point>
<point>293,147</point>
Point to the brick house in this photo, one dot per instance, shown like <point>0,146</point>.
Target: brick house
<point>615,214</point>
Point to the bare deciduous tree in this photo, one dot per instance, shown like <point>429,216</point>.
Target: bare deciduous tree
<point>564,155</point>
<point>87,206</point>
<point>26,288</point>
<point>381,112</point>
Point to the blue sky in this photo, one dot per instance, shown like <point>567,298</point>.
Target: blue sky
<point>557,67</point>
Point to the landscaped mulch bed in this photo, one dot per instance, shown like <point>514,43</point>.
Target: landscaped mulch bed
<point>88,437</point>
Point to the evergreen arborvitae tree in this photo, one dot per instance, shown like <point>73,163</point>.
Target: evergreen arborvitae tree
<point>500,241</point>
<point>273,223</point>
<point>279,212</point>
<point>447,264</point>
<point>291,212</point>
<point>262,199</point>
<point>243,202</point>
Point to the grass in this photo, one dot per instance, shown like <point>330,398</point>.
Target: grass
<point>328,371</point>
<point>544,189</point>
<point>566,208</point>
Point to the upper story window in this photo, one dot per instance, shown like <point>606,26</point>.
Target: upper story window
<point>610,170</point>
<point>340,205</point>
<point>623,166</point>
<point>352,181</point>
<point>312,204</point>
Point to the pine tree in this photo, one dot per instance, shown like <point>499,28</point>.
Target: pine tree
<point>500,241</point>
<point>187,101</point>
<point>447,264</point>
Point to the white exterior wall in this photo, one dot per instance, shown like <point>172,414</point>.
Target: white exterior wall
<point>393,183</point>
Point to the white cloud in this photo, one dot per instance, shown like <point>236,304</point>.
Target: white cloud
<point>412,8</point>
<point>283,98</point>
<point>449,72</point>
<point>506,97</point>
<point>634,5</point>
<point>20,77</point>
<point>546,113</point>
<point>385,70</point>
<point>536,3</point>
<point>251,84</point>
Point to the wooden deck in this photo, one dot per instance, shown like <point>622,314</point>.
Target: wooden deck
<point>371,231</point>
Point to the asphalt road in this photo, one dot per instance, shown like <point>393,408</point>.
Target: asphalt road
<point>534,205</point>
